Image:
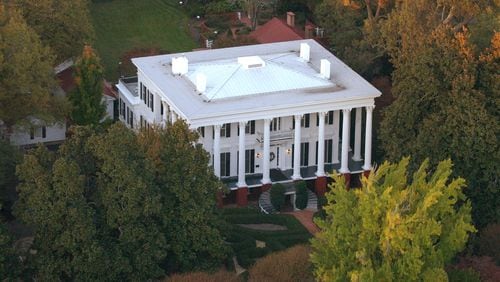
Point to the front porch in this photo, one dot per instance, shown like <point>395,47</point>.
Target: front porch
<point>284,176</point>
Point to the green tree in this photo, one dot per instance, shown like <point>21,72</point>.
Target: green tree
<point>9,158</point>
<point>87,103</point>
<point>26,74</point>
<point>188,193</point>
<point>392,229</point>
<point>63,25</point>
<point>52,201</point>
<point>9,262</point>
<point>445,99</point>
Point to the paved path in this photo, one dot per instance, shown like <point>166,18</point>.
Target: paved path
<point>306,218</point>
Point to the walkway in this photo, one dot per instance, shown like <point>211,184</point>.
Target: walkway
<point>306,218</point>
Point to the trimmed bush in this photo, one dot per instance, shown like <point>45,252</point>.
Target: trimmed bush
<point>288,265</point>
<point>278,196</point>
<point>463,275</point>
<point>301,196</point>
<point>220,275</point>
<point>489,242</point>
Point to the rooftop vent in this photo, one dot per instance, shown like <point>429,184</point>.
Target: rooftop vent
<point>201,82</point>
<point>180,65</point>
<point>325,68</point>
<point>305,51</point>
<point>251,62</point>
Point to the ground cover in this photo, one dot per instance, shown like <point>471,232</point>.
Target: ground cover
<point>243,240</point>
<point>129,24</point>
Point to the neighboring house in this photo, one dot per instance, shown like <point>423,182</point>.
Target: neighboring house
<point>55,134</point>
<point>266,113</point>
<point>278,30</point>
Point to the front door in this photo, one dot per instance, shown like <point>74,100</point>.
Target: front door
<point>274,158</point>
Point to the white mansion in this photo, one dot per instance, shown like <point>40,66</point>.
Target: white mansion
<point>266,113</point>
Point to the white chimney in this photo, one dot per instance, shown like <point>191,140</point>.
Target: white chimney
<point>305,51</point>
<point>180,65</point>
<point>325,68</point>
<point>201,82</point>
<point>290,19</point>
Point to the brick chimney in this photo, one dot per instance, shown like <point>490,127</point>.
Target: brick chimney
<point>290,19</point>
<point>309,31</point>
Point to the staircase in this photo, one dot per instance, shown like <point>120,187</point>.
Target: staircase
<point>267,208</point>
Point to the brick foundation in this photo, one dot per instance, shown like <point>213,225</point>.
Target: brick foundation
<point>242,196</point>
<point>347,177</point>
<point>366,173</point>
<point>266,187</point>
<point>220,200</point>
<point>320,185</point>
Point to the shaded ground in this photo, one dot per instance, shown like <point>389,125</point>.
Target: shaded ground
<point>129,24</point>
<point>264,227</point>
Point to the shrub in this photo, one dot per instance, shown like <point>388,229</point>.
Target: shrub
<point>288,265</point>
<point>220,275</point>
<point>489,242</point>
<point>278,196</point>
<point>485,266</point>
<point>301,196</point>
<point>463,275</point>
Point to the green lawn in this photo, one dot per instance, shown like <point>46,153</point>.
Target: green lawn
<point>242,240</point>
<point>122,25</point>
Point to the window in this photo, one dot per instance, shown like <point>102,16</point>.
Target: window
<point>44,132</point>
<point>304,154</point>
<point>328,118</point>
<point>131,119</point>
<point>140,89</point>
<point>127,117</point>
<point>144,95</point>
<point>304,122</point>
<point>275,124</point>
<point>225,130</point>
<point>225,164</point>
<point>161,108</point>
<point>32,133</point>
<point>123,110</point>
<point>250,161</point>
<point>328,151</point>
<point>151,101</point>
<point>249,128</point>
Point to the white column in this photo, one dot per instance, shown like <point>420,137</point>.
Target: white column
<point>357,136</point>
<point>346,118</point>
<point>241,160</point>
<point>216,150</point>
<point>174,116</point>
<point>296,153</point>
<point>265,162</point>
<point>321,145</point>
<point>368,139</point>
<point>335,139</point>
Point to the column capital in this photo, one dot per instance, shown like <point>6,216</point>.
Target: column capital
<point>267,120</point>
<point>217,126</point>
<point>322,114</point>
<point>298,117</point>
<point>346,110</point>
<point>243,123</point>
<point>369,108</point>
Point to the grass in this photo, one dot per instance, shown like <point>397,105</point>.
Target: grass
<point>123,25</point>
<point>242,240</point>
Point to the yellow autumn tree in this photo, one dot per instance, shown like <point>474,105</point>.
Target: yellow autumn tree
<point>391,229</point>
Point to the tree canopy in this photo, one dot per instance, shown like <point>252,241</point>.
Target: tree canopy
<point>26,73</point>
<point>88,107</point>
<point>111,204</point>
<point>63,25</point>
<point>393,229</point>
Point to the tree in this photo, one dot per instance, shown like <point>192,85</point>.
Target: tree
<point>391,229</point>
<point>52,201</point>
<point>188,193</point>
<point>65,26</point>
<point>26,74</point>
<point>111,205</point>
<point>445,99</point>
<point>9,158</point>
<point>352,29</point>
<point>87,104</point>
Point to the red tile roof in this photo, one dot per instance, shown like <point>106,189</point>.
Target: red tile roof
<point>276,30</point>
